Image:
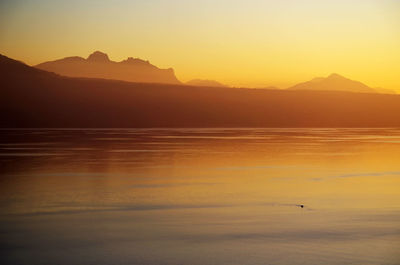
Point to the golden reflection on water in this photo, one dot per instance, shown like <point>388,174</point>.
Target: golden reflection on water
<point>207,196</point>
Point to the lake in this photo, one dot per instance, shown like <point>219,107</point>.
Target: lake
<point>200,196</point>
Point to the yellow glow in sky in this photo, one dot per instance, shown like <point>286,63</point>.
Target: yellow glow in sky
<point>255,43</point>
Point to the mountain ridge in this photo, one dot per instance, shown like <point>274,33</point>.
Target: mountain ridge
<point>99,65</point>
<point>38,99</point>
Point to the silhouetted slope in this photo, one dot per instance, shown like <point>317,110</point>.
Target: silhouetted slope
<point>201,82</point>
<point>98,65</point>
<point>334,82</point>
<point>15,70</point>
<point>34,98</point>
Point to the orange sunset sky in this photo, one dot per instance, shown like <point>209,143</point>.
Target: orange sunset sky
<point>253,43</point>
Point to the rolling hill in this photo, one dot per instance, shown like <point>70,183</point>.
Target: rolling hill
<point>334,82</point>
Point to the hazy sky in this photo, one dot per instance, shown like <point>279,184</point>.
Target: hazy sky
<point>238,42</point>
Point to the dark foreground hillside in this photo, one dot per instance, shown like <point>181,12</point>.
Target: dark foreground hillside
<point>35,98</point>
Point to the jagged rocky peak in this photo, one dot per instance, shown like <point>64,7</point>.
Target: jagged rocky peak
<point>131,60</point>
<point>98,56</point>
<point>98,65</point>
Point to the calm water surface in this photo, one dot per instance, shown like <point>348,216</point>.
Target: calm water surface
<point>200,196</point>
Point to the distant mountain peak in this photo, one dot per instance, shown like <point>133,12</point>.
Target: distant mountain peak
<point>335,76</point>
<point>334,82</point>
<point>98,56</point>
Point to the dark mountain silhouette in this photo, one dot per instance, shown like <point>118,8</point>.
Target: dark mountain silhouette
<point>98,65</point>
<point>206,83</point>
<point>334,82</point>
<point>35,98</point>
<point>16,70</point>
